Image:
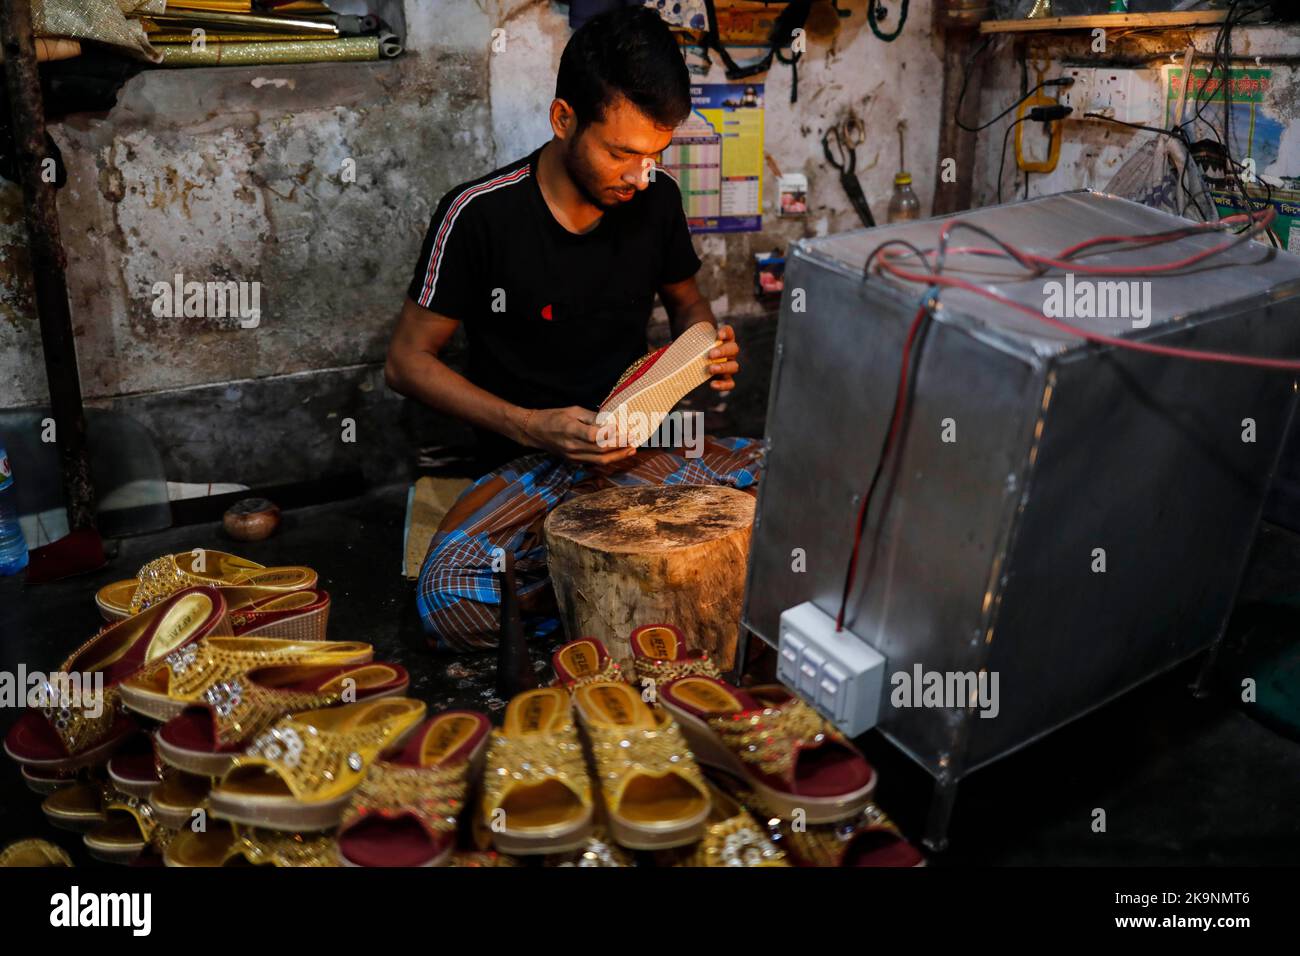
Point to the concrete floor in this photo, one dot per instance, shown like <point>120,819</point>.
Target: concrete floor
<point>1182,780</point>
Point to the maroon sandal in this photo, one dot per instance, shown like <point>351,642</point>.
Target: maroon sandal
<point>774,743</point>
<point>133,768</point>
<point>584,661</point>
<point>405,812</point>
<point>660,654</point>
<point>205,738</point>
<point>71,731</point>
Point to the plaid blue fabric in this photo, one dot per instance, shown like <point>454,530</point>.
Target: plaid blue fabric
<point>458,594</point>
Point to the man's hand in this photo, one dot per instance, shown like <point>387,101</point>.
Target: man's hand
<point>571,432</point>
<point>724,359</point>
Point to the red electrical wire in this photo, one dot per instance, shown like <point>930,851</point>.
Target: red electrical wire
<point>1257,222</point>
<point>891,437</point>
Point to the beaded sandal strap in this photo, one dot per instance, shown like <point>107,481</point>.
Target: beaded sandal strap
<point>771,738</point>
<point>433,795</point>
<point>531,759</point>
<point>623,752</point>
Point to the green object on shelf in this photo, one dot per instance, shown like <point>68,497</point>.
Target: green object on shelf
<point>1118,6</point>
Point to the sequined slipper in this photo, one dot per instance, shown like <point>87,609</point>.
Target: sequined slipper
<point>405,813</point>
<point>301,773</point>
<point>226,844</point>
<point>77,730</point>
<point>187,676</point>
<point>164,576</point>
<point>536,793</point>
<point>29,853</point>
<point>654,794</point>
<point>206,737</point>
<point>584,661</point>
<point>775,744</point>
<point>660,654</point>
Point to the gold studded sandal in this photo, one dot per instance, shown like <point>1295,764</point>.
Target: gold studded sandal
<point>654,793</point>
<point>184,677</point>
<point>775,744</point>
<point>227,844</point>
<point>129,828</point>
<point>34,853</point>
<point>164,576</point>
<point>584,661</point>
<point>81,722</point>
<point>536,793</point>
<point>176,798</point>
<point>300,774</point>
<point>660,654</point>
<point>405,812</point>
<point>734,838</point>
<point>78,807</point>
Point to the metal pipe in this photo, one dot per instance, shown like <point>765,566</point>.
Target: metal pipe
<point>48,261</point>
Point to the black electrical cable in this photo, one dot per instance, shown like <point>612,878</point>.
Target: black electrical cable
<point>1002,155</point>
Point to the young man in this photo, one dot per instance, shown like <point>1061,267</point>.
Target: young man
<point>552,263</point>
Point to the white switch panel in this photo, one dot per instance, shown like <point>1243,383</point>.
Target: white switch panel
<point>839,674</point>
<point>1113,92</point>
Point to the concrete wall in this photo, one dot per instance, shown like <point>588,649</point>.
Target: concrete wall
<point>237,174</point>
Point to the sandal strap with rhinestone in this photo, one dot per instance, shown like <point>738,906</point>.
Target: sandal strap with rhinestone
<point>301,773</point>
<point>654,792</point>
<point>184,677</point>
<point>246,705</point>
<point>584,661</point>
<point>660,654</point>
<point>761,736</point>
<point>165,575</point>
<point>427,782</point>
<point>734,838</point>
<point>78,725</point>
<point>536,748</point>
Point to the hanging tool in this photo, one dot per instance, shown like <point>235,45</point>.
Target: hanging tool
<point>1052,128</point>
<point>840,144</point>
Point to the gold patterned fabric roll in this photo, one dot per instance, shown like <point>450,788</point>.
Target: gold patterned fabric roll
<point>339,50</point>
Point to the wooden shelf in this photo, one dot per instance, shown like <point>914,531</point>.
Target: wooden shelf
<point>1200,18</point>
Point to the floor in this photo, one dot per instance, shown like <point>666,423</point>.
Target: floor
<point>1181,780</point>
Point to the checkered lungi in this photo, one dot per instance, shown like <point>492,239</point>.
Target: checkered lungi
<point>459,596</point>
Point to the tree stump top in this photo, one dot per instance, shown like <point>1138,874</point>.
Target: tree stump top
<point>651,519</point>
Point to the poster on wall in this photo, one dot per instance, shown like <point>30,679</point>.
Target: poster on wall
<point>1255,138</point>
<point>716,156</point>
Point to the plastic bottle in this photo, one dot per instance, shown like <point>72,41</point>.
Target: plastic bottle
<point>13,546</point>
<point>903,204</point>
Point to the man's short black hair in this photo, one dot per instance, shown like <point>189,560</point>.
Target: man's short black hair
<point>629,52</point>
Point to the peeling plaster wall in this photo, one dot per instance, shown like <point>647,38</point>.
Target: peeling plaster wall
<point>1092,151</point>
<point>237,174</point>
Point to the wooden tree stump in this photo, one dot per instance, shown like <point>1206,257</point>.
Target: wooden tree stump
<point>670,554</point>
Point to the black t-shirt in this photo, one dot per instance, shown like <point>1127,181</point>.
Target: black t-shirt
<point>552,318</point>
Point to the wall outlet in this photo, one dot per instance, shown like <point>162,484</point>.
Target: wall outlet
<point>839,674</point>
<point>1110,91</point>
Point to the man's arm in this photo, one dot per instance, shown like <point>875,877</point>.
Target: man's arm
<point>686,306</point>
<point>414,369</point>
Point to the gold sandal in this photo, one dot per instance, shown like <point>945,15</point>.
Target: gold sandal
<point>164,576</point>
<point>300,774</point>
<point>733,838</point>
<point>128,830</point>
<point>227,844</point>
<point>34,853</point>
<point>536,793</point>
<point>660,654</point>
<point>655,795</point>
<point>183,677</point>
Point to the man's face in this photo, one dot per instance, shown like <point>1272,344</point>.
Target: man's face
<point>611,159</point>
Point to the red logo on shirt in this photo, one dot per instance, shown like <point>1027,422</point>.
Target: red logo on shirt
<point>546,313</point>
